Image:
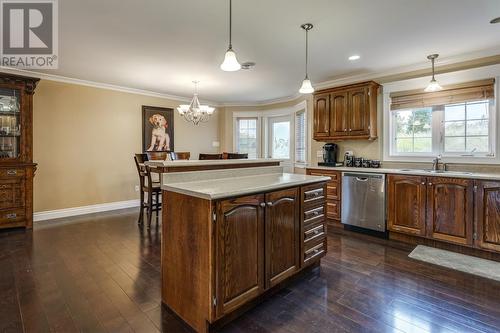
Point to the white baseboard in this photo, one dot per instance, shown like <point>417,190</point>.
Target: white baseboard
<point>74,211</point>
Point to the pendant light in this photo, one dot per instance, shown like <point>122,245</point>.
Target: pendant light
<point>306,87</point>
<point>195,112</point>
<point>230,63</point>
<point>433,85</point>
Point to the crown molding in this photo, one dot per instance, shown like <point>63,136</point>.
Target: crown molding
<point>101,85</point>
<point>446,64</point>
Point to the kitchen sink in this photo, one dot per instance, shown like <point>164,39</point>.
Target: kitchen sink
<point>437,171</point>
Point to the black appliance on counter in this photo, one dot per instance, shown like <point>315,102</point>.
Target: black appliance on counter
<point>330,155</point>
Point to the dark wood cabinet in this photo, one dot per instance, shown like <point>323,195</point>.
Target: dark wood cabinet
<point>321,117</point>
<point>16,150</point>
<point>487,218</point>
<point>450,209</point>
<point>333,195</point>
<point>347,112</point>
<point>359,112</point>
<point>339,118</point>
<point>240,249</point>
<point>406,204</point>
<point>282,235</point>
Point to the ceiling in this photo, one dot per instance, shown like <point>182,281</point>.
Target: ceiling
<point>163,45</point>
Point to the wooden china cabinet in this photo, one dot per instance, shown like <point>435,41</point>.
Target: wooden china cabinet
<point>16,150</point>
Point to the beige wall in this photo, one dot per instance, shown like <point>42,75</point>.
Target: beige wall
<point>85,138</point>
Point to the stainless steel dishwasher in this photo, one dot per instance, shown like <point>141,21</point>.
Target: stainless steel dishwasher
<point>363,200</point>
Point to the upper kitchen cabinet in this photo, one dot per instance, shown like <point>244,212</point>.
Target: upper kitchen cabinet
<point>346,113</point>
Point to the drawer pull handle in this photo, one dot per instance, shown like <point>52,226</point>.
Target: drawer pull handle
<point>263,204</point>
<point>270,204</point>
<point>11,216</point>
<point>316,194</point>
<point>316,213</point>
<point>316,251</point>
<point>12,172</point>
<point>3,186</point>
<point>316,232</point>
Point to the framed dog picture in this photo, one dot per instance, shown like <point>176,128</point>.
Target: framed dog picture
<point>157,129</point>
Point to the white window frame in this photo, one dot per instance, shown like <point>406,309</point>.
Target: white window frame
<point>236,132</point>
<point>263,128</point>
<point>438,116</point>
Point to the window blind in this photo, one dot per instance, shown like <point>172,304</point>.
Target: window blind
<point>460,93</point>
<point>300,137</point>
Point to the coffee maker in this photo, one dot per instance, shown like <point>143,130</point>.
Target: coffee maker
<point>330,152</point>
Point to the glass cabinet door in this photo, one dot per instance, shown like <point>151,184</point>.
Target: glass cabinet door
<point>10,123</point>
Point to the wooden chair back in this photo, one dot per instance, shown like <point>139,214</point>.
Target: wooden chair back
<point>236,156</point>
<point>178,155</point>
<point>157,155</point>
<point>210,157</point>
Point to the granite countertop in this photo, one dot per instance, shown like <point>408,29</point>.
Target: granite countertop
<point>415,172</point>
<point>180,163</point>
<point>220,184</point>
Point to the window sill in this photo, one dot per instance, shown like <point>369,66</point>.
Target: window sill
<point>444,159</point>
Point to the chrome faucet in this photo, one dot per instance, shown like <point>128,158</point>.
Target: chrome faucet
<point>435,163</point>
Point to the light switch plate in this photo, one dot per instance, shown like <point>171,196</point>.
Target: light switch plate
<point>215,144</point>
<point>319,153</point>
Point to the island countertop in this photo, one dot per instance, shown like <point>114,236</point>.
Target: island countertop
<point>219,184</point>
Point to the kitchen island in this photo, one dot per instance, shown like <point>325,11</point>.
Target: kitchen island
<point>232,236</point>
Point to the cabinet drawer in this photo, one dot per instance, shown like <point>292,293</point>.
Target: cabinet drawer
<point>12,173</point>
<point>333,209</point>
<point>333,190</point>
<point>334,175</point>
<point>314,194</point>
<point>12,217</point>
<point>11,193</point>
<point>315,252</point>
<point>314,214</point>
<point>317,232</point>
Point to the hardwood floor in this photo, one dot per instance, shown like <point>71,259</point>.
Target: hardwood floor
<point>101,273</point>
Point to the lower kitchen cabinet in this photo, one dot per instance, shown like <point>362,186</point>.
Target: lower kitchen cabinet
<point>282,235</point>
<point>450,209</point>
<point>333,195</point>
<point>406,197</point>
<point>488,215</point>
<point>240,249</point>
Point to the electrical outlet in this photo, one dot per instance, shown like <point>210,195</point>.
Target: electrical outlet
<point>137,188</point>
<point>319,153</point>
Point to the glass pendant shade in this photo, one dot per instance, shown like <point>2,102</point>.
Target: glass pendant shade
<point>230,63</point>
<point>306,87</point>
<point>433,86</point>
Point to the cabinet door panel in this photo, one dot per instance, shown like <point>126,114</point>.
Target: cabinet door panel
<point>450,209</point>
<point>359,113</point>
<point>240,244</point>
<point>321,116</point>
<point>282,235</point>
<point>488,215</point>
<point>406,204</point>
<point>338,114</point>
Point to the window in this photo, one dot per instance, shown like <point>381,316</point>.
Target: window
<point>246,136</point>
<point>457,122</point>
<point>466,128</point>
<point>300,137</point>
<point>413,131</point>
<point>280,137</point>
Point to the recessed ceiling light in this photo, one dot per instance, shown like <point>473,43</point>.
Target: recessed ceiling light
<point>495,20</point>
<point>354,57</point>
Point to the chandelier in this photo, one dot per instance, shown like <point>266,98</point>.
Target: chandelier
<point>195,112</point>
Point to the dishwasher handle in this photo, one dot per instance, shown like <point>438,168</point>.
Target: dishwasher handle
<point>361,179</point>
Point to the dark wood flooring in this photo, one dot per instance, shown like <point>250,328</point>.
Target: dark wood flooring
<point>101,273</point>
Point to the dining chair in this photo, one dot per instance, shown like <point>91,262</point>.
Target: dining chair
<point>185,155</point>
<point>236,156</point>
<point>210,157</point>
<point>157,155</point>
<point>150,187</point>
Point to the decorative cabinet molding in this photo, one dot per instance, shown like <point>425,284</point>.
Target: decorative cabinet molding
<point>346,113</point>
<point>16,150</point>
